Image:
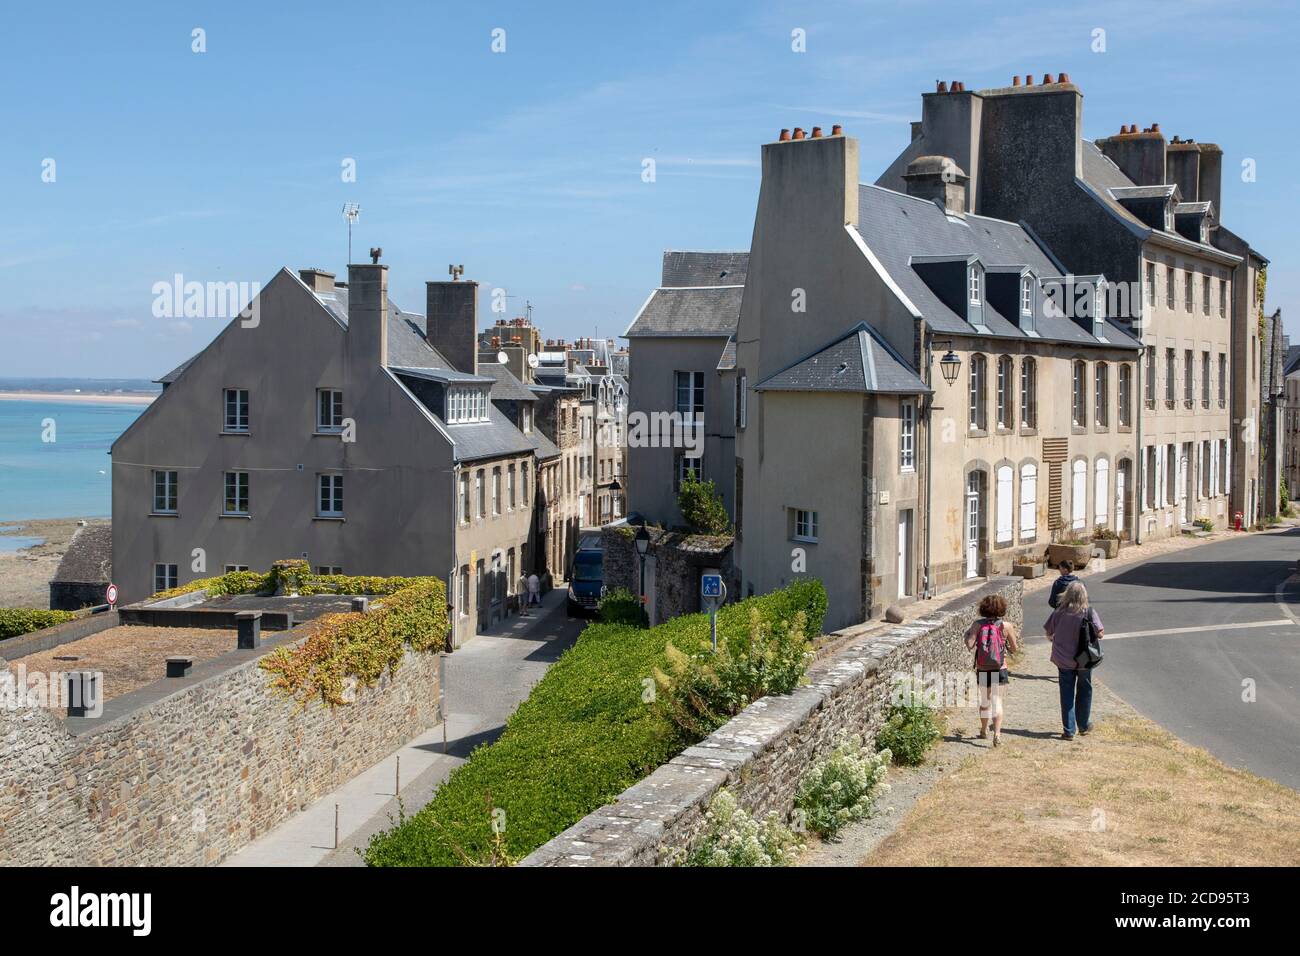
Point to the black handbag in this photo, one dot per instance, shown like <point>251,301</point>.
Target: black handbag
<point>1089,654</point>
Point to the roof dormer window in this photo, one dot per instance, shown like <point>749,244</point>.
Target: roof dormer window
<point>973,285</point>
<point>466,405</point>
<point>1026,295</point>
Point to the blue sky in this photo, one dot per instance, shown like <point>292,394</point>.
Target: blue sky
<point>526,165</point>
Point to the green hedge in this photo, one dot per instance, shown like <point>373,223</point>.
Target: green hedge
<point>583,735</point>
<point>23,620</point>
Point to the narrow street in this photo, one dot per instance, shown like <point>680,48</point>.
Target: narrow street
<point>485,681</point>
<point>1190,634</point>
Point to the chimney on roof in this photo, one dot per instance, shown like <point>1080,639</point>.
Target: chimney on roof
<point>367,317</point>
<point>940,180</point>
<point>318,280</point>
<point>1141,157</point>
<point>450,320</point>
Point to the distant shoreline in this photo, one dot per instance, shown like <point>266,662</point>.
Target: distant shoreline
<point>88,398</point>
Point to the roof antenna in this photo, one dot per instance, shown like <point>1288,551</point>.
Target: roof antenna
<point>375,253</point>
<point>350,212</point>
<point>455,272</point>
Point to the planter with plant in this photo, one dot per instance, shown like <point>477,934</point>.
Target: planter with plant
<point>1076,551</point>
<point>1105,540</point>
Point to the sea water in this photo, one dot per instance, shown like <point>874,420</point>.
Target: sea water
<point>54,457</point>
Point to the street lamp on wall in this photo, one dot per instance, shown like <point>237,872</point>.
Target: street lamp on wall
<point>950,366</point>
<point>642,546</point>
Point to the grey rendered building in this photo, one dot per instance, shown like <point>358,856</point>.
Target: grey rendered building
<point>340,429</point>
<point>682,362</point>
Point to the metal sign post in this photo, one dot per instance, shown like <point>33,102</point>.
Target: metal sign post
<point>713,593</point>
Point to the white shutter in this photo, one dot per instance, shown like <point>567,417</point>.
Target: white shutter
<point>1079,496</point>
<point>1028,502</point>
<point>1004,504</point>
<point>1160,476</point>
<point>1101,492</point>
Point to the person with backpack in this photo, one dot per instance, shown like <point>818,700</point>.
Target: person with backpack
<point>1061,583</point>
<point>1074,629</point>
<point>991,637</point>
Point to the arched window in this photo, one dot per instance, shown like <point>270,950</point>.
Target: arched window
<point>1028,502</point>
<point>1101,492</point>
<point>1005,380</point>
<point>978,374</point>
<point>1101,403</point>
<point>1028,393</point>
<point>1125,401</point>
<point>1079,406</point>
<point>1079,496</point>
<point>1005,504</point>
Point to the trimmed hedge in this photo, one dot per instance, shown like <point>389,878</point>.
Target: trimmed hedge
<point>15,621</point>
<point>588,731</point>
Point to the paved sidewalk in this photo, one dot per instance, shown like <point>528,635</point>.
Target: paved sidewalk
<point>485,680</point>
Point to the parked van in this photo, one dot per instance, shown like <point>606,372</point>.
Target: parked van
<point>586,581</point>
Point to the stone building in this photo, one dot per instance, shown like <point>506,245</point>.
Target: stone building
<point>338,428</point>
<point>1144,213</point>
<point>1290,421</point>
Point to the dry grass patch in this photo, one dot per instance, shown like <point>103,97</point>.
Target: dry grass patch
<point>1129,794</point>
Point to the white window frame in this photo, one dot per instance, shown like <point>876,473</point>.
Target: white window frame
<point>240,482</point>
<point>973,285</point>
<point>329,411</point>
<point>235,408</point>
<point>1078,495</point>
<point>329,494</point>
<point>463,501</point>
<point>1006,371</point>
<point>805,525</point>
<point>1028,392</point>
<point>170,492</point>
<point>692,384</point>
<point>907,435</point>
<point>1005,485</point>
<point>1101,492</point>
<point>1026,295</point>
<point>743,399</point>
<point>165,577</point>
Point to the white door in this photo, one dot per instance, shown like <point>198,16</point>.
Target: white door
<point>1121,482</point>
<point>905,552</point>
<point>1183,496</point>
<point>973,525</point>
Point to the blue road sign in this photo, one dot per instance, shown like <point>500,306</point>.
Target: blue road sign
<point>711,585</point>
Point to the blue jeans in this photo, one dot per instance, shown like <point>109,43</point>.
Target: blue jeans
<point>1076,699</point>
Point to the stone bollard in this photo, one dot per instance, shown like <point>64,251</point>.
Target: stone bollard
<point>361,605</point>
<point>250,629</point>
<point>83,692</point>
<point>179,666</point>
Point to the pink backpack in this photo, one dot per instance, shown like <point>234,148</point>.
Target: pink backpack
<point>990,647</point>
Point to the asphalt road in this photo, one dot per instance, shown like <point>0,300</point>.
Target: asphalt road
<point>1189,637</point>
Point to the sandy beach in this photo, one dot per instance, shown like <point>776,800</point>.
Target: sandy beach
<point>25,575</point>
<point>88,398</point>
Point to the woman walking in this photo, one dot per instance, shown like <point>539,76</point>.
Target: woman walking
<point>1063,628</point>
<point>990,637</point>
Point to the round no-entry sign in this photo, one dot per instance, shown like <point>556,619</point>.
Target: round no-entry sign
<point>112,594</point>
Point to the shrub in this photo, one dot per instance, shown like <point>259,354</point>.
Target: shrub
<point>1205,524</point>
<point>587,732</point>
<point>734,838</point>
<point>621,606</point>
<point>23,620</point>
<point>702,690</point>
<point>1101,533</point>
<point>701,507</point>
<point>362,646</point>
<point>842,788</point>
<point>910,728</point>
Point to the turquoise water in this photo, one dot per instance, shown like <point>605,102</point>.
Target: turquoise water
<point>65,478</point>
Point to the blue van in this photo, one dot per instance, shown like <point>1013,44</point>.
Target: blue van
<point>586,581</point>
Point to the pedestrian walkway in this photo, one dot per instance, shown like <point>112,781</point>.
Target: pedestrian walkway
<point>484,681</point>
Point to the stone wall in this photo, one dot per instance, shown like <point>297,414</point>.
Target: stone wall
<point>190,776</point>
<point>680,559</point>
<point>761,754</point>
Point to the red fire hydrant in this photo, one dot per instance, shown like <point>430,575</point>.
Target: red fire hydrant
<point>1237,518</point>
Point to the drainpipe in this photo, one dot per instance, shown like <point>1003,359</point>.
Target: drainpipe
<point>928,592</point>
<point>1140,466</point>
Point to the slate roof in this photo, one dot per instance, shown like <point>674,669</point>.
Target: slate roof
<point>678,312</point>
<point>1292,360</point>
<point>858,361</point>
<point>507,387</point>
<point>897,228</point>
<point>727,361</point>
<point>89,558</point>
<point>684,268</point>
<point>490,439</point>
<point>443,375</point>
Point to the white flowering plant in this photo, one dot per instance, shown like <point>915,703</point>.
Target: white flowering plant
<point>734,838</point>
<point>842,788</point>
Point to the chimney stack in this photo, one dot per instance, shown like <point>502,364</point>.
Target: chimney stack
<point>940,180</point>
<point>450,320</point>
<point>368,315</point>
<point>317,280</point>
<point>1141,156</point>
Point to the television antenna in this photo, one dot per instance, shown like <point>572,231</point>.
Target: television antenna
<point>351,212</point>
<point>455,272</point>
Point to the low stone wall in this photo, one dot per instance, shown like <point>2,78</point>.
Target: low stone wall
<point>761,754</point>
<point>190,776</point>
<point>680,559</point>
<point>13,648</point>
